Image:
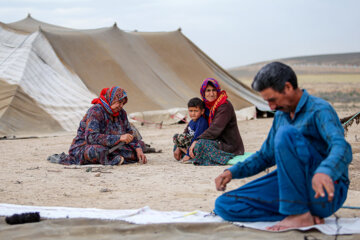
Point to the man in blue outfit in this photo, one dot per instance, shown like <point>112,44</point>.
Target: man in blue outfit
<point>306,142</point>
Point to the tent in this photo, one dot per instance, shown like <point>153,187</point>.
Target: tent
<point>49,74</point>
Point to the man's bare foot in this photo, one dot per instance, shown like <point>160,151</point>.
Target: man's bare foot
<point>318,220</point>
<point>295,221</point>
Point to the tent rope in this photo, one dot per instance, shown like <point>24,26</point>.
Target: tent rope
<point>354,116</point>
<point>351,207</point>
<point>348,121</point>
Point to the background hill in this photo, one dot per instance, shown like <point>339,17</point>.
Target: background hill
<point>334,77</point>
<point>346,63</point>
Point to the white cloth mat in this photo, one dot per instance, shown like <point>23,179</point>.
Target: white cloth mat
<point>146,215</point>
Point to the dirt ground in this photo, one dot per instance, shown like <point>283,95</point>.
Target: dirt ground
<point>164,184</point>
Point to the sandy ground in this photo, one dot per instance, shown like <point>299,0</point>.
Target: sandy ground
<point>164,184</point>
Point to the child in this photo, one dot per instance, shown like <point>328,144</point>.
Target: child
<point>195,128</point>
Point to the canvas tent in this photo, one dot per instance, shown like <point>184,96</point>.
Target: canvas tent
<point>49,74</point>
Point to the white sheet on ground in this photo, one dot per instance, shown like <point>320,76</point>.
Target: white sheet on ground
<point>146,215</point>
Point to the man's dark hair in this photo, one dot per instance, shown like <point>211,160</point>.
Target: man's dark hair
<point>274,75</point>
<point>196,102</point>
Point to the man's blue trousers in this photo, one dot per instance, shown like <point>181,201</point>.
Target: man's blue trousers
<point>285,191</point>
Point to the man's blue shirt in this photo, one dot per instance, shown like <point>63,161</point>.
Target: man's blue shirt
<point>320,125</point>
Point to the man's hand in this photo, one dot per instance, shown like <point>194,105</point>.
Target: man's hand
<point>141,156</point>
<point>191,149</point>
<point>222,180</point>
<point>177,154</point>
<point>127,138</point>
<point>322,181</point>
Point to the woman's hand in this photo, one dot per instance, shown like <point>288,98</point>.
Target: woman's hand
<point>191,149</point>
<point>141,156</point>
<point>127,138</point>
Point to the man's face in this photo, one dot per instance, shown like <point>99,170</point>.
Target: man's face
<point>279,100</point>
<point>195,113</point>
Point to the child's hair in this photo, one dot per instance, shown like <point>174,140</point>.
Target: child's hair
<point>196,102</point>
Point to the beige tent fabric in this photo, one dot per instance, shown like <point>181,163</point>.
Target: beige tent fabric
<point>20,115</point>
<point>30,25</point>
<point>159,70</point>
<point>169,55</point>
<point>160,117</point>
<point>39,96</point>
<point>162,75</point>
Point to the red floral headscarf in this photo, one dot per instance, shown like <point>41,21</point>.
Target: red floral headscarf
<point>221,97</point>
<point>108,96</point>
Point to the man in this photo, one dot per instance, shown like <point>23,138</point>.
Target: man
<point>307,143</point>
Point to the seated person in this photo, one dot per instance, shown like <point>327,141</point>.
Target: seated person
<point>221,141</point>
<point>104,126</point>
<point>306,142</point>
<point>195,128</point>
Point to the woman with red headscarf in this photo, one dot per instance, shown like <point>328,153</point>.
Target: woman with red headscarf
<point>221,141</point>
<point>104,126</point>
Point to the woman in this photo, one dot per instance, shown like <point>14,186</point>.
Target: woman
<point>104,126</point>
<point>222,140</point>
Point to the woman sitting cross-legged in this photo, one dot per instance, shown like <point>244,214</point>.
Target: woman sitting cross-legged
<point>221,141</point>
<point>104,126</point>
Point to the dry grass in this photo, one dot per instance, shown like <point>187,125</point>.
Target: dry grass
<point>329,78</point>
<point>341,90</point>
<point>318,79</point>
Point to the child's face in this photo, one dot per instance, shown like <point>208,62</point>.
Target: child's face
<point>195,113</point>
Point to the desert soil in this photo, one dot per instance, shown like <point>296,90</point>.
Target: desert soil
<point>164,184</point>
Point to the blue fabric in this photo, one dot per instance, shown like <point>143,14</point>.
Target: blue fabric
<point>318,122</point>
<point>285,191</point>
<point>312,142</point>
<point>196,128</point>
<point>255,201</point>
